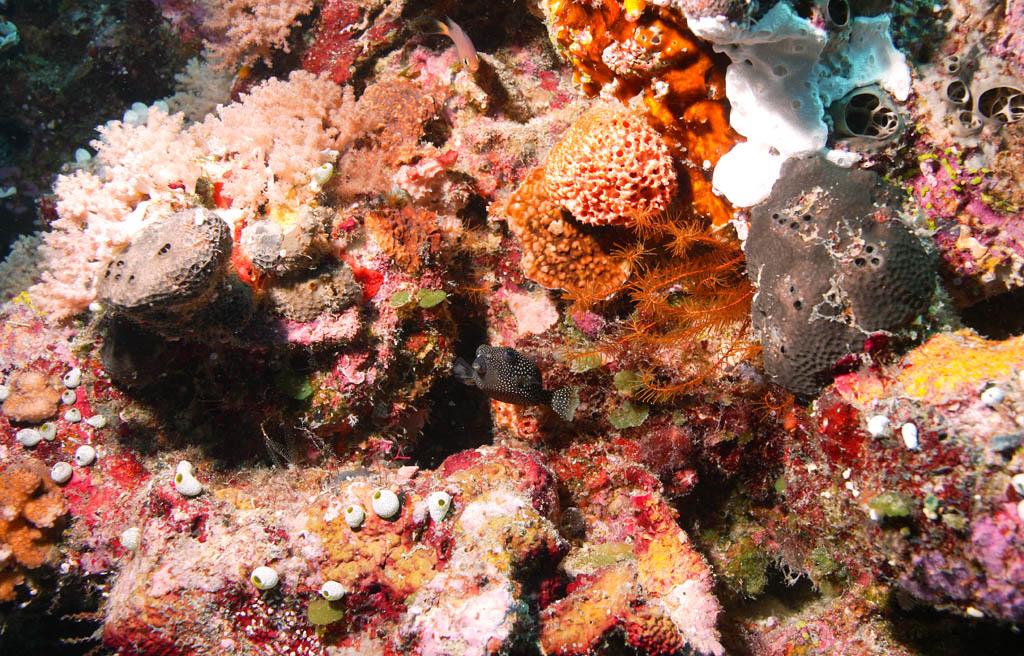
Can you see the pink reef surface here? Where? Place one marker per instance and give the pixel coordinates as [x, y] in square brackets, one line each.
[367, 169]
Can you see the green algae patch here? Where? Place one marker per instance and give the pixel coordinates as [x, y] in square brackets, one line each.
[294, 385]
[585, 363]
[400, 298]
[428, 298]
[594, 557]
[629, 415]
[888, 504]
[626, 382]
[322, 612]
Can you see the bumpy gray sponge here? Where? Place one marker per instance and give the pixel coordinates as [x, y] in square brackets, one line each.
[832, 265]
[170, 269]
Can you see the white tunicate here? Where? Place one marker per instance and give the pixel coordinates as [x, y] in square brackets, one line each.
[4, 392]
[355, 516]
[438, 505]
[95, 306]
[61, 473]
[332, 591]
[130, 538]
[162, 106]
[909, 433]
[1020, 510]
[264, 578]
[385, 503]
[82, 156]
[85, 455]
[73, 378]
[28, 437]
[184, 482]
[1018, 483]
[68, 396]
[992, 396]
[878, 425]
[48, 431]
[73, 416]
[322, 174]
[97, 421]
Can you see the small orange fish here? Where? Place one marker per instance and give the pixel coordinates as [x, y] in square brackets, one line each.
[463, 46]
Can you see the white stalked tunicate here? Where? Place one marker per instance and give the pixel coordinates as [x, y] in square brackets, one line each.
[264, 578]
[909, 433]
[85, 455]
[438, 505]
[68, 396]
[48, 431]
[96, 421]
[332, 591]
[992, 396]
[184, 482]
[878, 425]
[73, 378]
[130, 538]
[73, 416]
[385, 503]
[28, 437]
[355, 516]
[61, 473]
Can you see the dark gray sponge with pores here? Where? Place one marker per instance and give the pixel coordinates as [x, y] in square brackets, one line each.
[832, 265]
[169, 269]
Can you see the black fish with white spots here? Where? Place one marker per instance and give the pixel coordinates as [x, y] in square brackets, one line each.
[507, 375]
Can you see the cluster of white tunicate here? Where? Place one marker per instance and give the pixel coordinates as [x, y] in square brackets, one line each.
[184, 480]
[28, 437]
[61, 473]
[785, 71]
[130, 538]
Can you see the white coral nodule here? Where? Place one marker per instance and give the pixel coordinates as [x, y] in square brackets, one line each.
[438, 505]
[385, 503]
[184, 482]
[264, 578]
[355, 516]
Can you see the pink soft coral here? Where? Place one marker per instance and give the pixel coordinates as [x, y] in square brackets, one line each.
[248, 30]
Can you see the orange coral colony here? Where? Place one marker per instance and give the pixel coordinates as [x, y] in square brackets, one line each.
[559, 253]
[609, 166]
[632, 49]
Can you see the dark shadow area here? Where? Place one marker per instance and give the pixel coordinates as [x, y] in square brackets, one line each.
[62, 618]
[999, 317]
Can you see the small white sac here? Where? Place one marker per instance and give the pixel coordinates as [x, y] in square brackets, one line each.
[1020, 510]
[73, 416]
[878, 425]
[438, 505]
[322, 174]
[68, 397]
[385, 503]
[97, 421]
[28, 437]
[971, 611]
[130, 538]
[355, 516]
[264, 578]
[73, 378]
[992, 396]
[48, 431]
[184, 482]
[332, 591]
[1018, 483]
[82, 156]
[61, 473]
[85, 455]
[95, 306]
[4, 392]
[909, 433]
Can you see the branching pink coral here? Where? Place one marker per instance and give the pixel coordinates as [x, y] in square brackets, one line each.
[248, 30]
